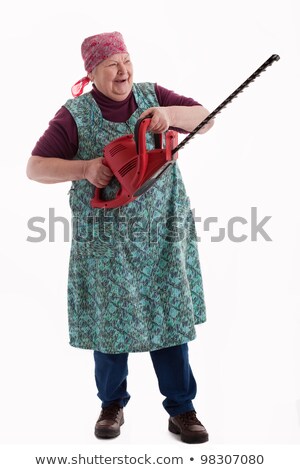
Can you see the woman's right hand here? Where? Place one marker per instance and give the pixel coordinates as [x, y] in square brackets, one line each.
[97, 173]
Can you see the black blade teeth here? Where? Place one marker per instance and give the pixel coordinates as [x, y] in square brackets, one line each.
[223, 105]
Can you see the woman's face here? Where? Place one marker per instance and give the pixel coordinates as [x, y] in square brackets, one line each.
[113, 76]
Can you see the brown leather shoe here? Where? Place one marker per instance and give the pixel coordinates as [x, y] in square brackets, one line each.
[189, 427]
[109, 422]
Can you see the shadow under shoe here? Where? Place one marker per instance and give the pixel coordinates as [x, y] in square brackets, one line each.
[109, 422]
[191, 430]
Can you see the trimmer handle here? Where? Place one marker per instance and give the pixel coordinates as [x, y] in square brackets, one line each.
[140, 131]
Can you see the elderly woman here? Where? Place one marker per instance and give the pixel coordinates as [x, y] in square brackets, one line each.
[127, 292]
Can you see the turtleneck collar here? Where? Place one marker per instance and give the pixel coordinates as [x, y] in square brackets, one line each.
[114, 111]
[103, 99]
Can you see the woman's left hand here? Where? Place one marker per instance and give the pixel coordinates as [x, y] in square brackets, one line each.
[160, 119]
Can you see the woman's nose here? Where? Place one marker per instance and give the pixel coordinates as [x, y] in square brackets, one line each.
[121, 69]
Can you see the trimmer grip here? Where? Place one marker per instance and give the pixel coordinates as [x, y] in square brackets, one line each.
[97, 201]
[140, 130]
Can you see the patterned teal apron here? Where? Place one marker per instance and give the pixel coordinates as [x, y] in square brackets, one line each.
[134, 275]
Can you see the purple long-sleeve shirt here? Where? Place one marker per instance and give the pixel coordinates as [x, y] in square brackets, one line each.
[61, 137]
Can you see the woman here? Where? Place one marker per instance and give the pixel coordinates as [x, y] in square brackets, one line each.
[128, 291]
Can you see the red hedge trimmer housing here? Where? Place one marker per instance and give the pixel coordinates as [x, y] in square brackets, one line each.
[133, 165]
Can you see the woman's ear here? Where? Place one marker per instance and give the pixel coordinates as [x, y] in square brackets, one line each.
[91, 77]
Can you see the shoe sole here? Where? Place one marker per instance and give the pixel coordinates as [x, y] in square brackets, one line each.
[195, 439]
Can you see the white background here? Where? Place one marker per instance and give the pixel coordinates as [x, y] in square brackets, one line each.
[246, 357]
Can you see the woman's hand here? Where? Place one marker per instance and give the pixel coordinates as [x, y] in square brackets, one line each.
[160, 119]
[182, 117]
[97, 173]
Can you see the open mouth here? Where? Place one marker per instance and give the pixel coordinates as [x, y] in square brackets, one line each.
[121, 81]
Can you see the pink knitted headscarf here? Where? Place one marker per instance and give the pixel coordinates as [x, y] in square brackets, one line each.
[94, 50]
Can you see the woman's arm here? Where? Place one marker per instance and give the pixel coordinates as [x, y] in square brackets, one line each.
[58, 170]
[54, 170]
[188, 117]
[184, 117]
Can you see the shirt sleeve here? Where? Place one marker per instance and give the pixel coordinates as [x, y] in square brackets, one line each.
[60, 139]
[167, 97]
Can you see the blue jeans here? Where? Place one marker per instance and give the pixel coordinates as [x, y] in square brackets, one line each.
[175, 378]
